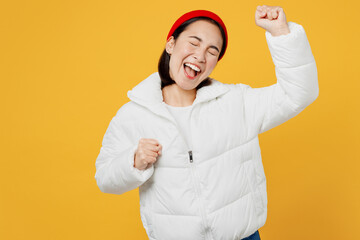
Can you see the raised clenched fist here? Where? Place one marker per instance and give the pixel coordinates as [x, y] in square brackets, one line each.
[272, 19]
[146, 154]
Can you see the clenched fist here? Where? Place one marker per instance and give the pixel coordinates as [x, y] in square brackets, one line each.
[272, 19]
[147, 152]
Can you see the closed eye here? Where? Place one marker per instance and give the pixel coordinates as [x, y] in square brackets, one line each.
[214, 54]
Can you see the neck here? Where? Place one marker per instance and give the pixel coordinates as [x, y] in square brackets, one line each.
[174, 95]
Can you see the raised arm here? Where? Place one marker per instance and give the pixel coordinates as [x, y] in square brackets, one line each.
[296, 72]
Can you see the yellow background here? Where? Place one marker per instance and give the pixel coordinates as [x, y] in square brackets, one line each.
[65, 69]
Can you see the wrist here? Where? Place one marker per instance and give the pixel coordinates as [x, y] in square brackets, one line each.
[281, 31]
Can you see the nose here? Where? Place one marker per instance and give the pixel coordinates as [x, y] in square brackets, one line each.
[200, 55]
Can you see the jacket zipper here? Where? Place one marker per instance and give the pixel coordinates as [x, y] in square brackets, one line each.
[197, 185]
[197, 192]
[190, 156]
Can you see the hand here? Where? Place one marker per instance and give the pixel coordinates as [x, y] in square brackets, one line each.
[272, 19]
[146, 154]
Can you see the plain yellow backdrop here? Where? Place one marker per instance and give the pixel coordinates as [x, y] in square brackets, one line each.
[65, 69]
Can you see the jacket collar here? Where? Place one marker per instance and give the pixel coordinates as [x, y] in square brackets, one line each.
[148, 94]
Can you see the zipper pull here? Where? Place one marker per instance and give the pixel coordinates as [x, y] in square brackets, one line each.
[190, 156]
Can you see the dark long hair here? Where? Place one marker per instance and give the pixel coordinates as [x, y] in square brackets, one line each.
[163, 65]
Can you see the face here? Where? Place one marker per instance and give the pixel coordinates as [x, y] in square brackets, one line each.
[194, 54]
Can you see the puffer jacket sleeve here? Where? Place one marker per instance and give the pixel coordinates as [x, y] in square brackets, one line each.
[115, 171]
[297, 82]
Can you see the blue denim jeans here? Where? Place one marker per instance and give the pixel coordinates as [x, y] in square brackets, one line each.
[255, 236]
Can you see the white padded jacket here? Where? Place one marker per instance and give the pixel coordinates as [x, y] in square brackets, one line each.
[213, 187]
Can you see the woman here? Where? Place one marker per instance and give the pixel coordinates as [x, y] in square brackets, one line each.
[190, 143]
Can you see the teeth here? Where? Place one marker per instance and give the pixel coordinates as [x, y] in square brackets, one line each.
[193, 67]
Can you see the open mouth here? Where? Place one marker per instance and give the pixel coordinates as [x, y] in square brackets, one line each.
[191, 70]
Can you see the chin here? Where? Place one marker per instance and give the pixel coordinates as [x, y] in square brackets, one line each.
[186, 85]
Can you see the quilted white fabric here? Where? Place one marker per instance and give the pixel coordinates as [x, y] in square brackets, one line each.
[221, 193]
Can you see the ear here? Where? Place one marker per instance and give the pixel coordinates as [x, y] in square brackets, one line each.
[170, 43]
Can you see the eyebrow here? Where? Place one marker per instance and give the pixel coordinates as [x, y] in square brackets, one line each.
[200, 40]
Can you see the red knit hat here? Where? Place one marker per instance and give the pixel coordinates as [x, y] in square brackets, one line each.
[200, 13]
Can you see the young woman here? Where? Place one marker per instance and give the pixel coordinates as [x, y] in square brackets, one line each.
[190, 143]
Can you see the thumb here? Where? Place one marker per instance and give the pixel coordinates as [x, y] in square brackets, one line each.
[281, 14]
[160, 149]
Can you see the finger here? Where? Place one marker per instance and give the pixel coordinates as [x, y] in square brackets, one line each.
[152, 148]
[160, 150]
[271, 12]
[148, 140]
[260, 8]
[274, 13]
[151, 160]
[153, 141]
[261, 13]
[150, 153]
[280, 12]
[268, 15]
